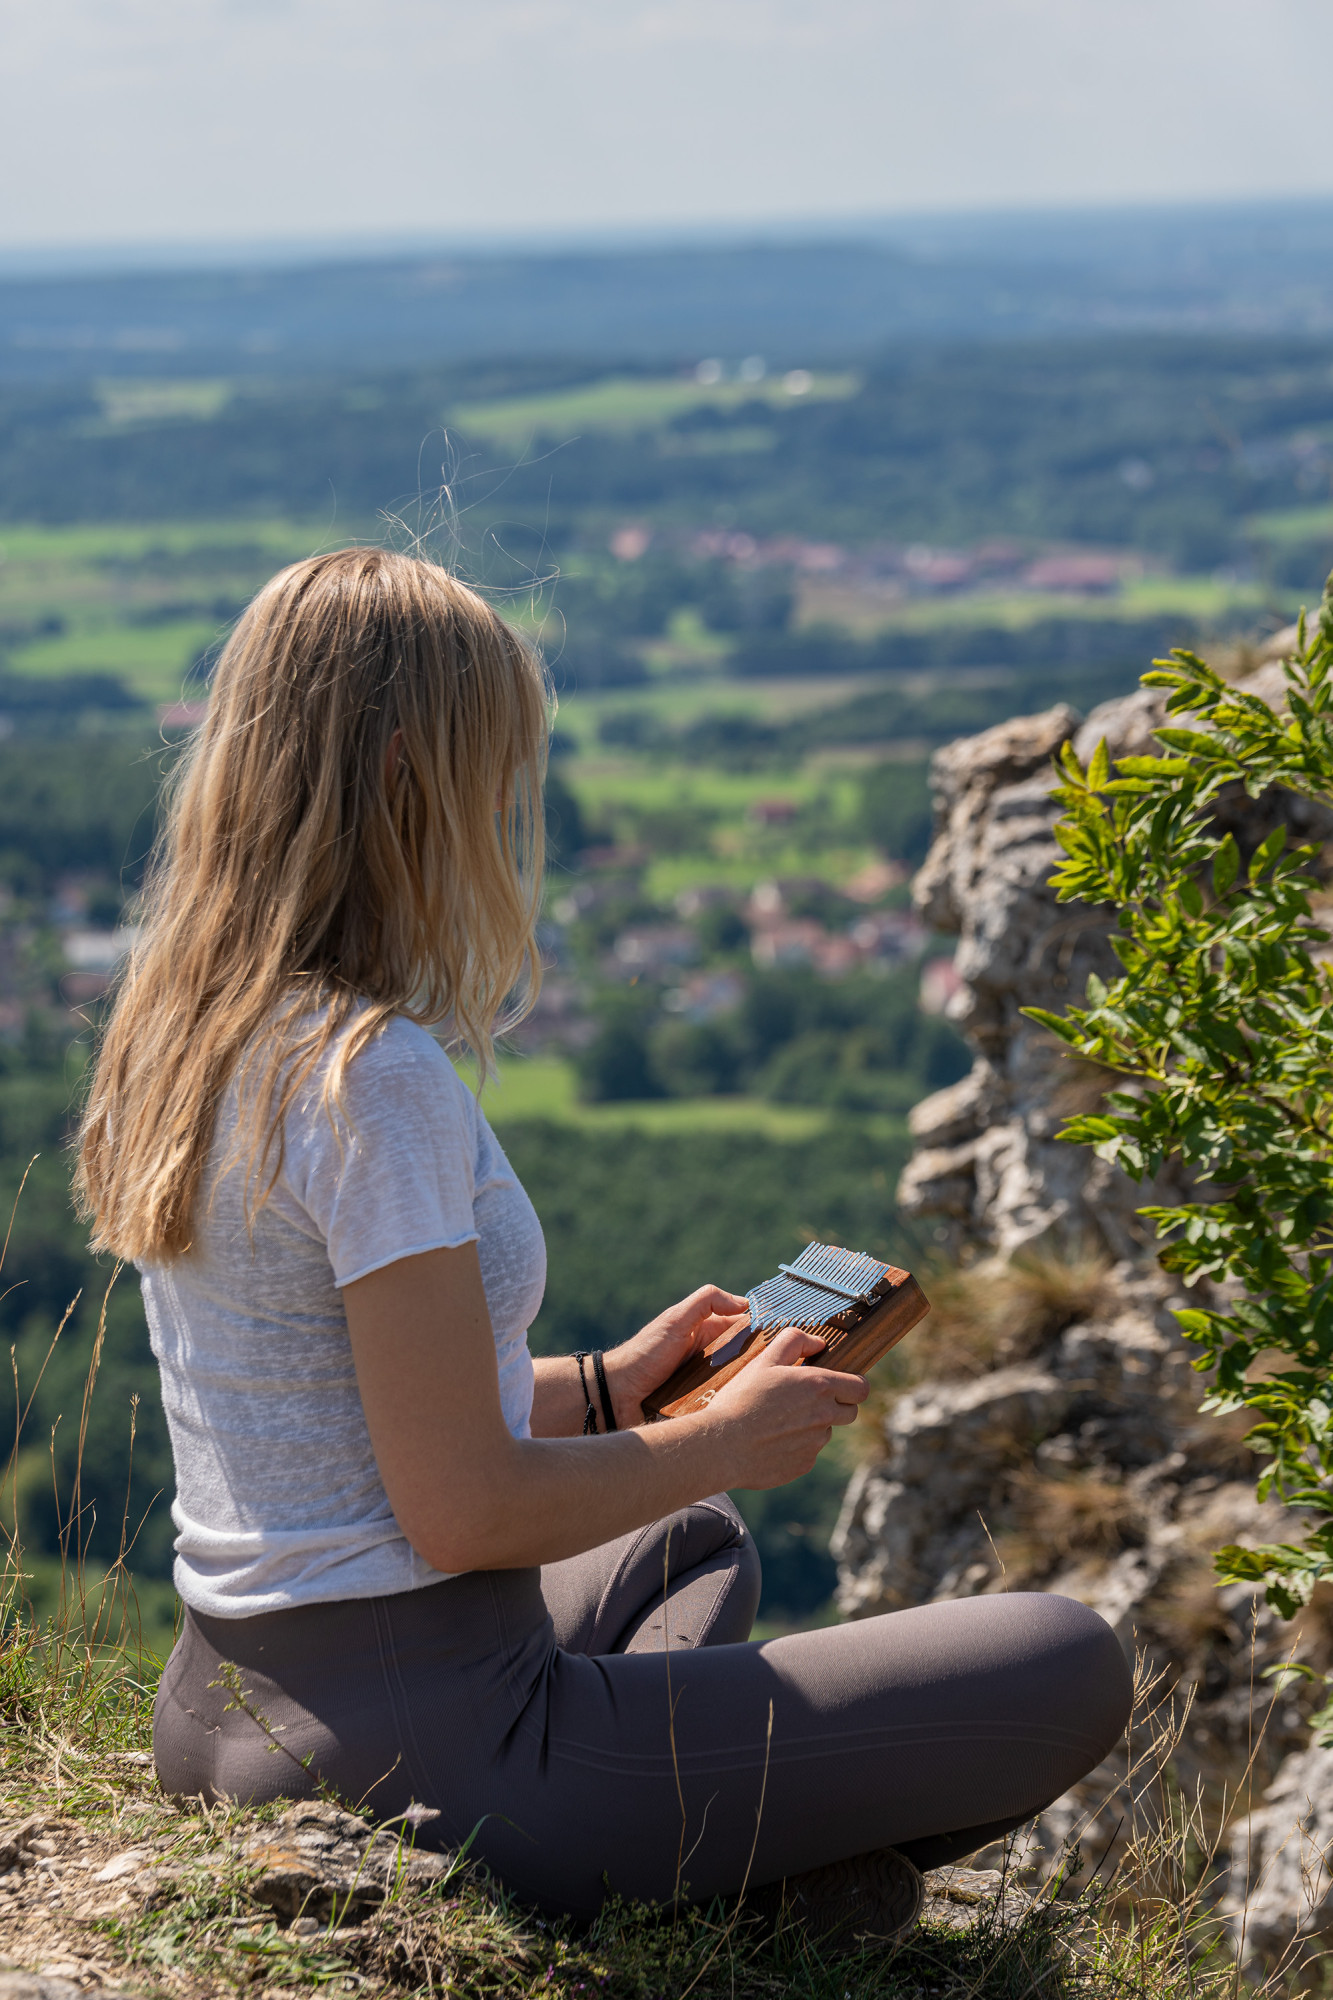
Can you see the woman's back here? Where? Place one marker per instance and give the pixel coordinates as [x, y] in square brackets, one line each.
[279, 1499]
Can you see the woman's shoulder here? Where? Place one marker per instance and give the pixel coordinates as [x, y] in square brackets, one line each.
[380, 1148]
[399, 1043]
[404, 1062]
[396, 1095]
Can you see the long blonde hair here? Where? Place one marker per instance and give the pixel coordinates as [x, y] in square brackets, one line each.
[357, 825]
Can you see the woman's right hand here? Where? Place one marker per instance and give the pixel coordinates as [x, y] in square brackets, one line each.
[776, 1417]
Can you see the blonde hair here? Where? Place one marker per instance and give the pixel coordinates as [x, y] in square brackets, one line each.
[357, 825]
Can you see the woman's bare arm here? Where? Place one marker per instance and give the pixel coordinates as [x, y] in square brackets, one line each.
[469, 1496]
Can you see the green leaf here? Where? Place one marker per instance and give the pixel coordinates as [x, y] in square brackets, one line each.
[1288, 1672]
[1191, 897]
[1226, 866]
[1265, 855]
[1152, 767]
[1090, 1127]
[1099, 770]
[1057, 1023]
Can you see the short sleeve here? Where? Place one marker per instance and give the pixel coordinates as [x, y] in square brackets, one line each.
[393, 1172]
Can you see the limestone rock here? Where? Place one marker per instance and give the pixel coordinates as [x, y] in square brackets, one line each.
[1073, 1457]
[990, 1171]
[909, 1526]
[1280, 1892]
[318, 1861]
[131, 1862]
[959, 1899]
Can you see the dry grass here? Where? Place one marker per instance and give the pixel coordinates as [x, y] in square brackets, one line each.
[1235, 658]
[1056, 1516]
[1172, 1872]
[987, 1315]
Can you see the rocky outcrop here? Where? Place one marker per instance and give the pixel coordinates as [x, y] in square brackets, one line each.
[1280, 1892]
[1057, 1443]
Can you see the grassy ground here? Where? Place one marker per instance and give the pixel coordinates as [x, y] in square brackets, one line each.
[109, 1883]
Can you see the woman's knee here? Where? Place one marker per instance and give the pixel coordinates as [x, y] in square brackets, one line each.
[717, 1519]
[1080, 1670]
[724, 1530]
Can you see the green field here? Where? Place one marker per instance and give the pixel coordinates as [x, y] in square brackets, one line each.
[153, 664]
[126, 402]
[625, 404]
[677, 699]
[1292, 525]
[544, 1087]
[696, 820]
[607, 780]
[142, 600]
[1208, 599]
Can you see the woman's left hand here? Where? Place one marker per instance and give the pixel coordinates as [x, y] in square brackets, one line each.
[638, 1366]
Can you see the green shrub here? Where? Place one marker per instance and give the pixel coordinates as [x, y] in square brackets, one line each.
[1222, 1022]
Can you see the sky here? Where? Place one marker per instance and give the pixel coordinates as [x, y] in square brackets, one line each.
[157, 122]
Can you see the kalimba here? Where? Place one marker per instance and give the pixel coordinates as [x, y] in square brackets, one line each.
[860, 1306]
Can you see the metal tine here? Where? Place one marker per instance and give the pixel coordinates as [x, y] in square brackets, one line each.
[851, 1268]
[785, 1301]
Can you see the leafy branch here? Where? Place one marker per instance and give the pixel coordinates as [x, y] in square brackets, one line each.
[1221, 1026]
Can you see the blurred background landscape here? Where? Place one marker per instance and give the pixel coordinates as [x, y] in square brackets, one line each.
[786, 516]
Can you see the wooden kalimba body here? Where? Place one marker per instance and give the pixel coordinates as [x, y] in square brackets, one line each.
[860, 1306]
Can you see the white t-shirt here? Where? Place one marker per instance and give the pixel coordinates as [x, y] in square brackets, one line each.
[278, 1497]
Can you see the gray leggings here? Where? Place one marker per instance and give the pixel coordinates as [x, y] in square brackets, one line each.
[604, 1726]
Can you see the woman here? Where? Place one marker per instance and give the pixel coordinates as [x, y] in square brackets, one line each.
[408, 1569]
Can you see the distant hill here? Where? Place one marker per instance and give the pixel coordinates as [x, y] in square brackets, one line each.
[1254, 269]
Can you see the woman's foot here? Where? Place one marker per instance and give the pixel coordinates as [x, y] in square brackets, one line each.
[871, 1898]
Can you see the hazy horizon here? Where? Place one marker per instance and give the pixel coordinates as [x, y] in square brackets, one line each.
[136, 123]
[881, 226]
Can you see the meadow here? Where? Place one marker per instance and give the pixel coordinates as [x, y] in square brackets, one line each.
[547, 1088]
[1216, 600]
[142, 602]
[629, 404]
